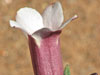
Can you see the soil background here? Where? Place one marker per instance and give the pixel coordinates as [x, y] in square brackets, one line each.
[80, 39]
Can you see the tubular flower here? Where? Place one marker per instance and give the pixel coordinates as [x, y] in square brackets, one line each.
[43, 35]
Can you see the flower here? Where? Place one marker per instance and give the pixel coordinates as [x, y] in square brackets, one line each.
[43, 35]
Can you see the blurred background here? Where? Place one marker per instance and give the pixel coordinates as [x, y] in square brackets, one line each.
[80, 39]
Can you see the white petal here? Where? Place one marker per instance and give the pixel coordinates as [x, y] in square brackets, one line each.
[29, 19]
[68, 21]
[14, 24]
[53, 16]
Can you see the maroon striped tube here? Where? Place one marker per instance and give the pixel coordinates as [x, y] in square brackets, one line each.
[46, 58]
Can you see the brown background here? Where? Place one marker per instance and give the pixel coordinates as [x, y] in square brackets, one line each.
[80, 40]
